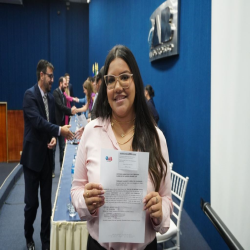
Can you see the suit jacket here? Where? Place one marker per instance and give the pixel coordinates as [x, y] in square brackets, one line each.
[37, 130]
[61, 108]
[71, 92]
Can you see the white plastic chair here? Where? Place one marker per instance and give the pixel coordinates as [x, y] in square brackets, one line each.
[178, 190]
[171, 165]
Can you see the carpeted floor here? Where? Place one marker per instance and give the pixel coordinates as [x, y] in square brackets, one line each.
[5, 170]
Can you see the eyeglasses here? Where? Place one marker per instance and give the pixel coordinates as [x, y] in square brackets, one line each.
[51, 76]
[124, 80]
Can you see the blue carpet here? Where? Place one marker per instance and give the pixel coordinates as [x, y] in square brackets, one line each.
[5, 169]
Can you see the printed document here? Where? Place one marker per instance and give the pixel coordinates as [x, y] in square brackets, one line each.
[124, 176]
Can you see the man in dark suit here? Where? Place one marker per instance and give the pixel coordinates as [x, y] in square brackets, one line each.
[40, 134]
[61, 110]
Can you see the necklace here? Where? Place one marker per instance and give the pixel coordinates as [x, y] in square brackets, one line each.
[122, 143]
[122, 122]
[122, 134]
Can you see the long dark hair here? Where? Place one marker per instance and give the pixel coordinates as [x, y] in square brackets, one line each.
[146, 137]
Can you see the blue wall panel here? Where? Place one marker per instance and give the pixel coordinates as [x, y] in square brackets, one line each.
[78, 46]
[24, 40]
[35, 31]
[58, 40]
[181, 84]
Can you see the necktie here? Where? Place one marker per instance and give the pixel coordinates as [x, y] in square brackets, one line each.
[45, 100]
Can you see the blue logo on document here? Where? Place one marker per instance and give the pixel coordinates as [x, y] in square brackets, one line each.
[108, 158]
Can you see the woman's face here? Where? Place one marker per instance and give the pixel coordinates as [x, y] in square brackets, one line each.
[121, 100]
[146, 94]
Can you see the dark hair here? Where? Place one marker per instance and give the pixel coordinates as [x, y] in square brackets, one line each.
[91, 78]
[150, 90]
[60, 79]
[146, 137]
[66, 74]
[42, 67]
[100, 74]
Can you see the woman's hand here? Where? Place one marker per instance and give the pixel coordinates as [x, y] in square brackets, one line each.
[75, 99]
[153, 202]
[93, 195]
[79, 133]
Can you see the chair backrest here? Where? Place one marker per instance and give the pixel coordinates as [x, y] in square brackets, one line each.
[171, 165]
[178, 190]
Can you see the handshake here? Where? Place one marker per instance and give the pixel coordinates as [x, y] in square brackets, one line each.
[74, 110]
[75, 99]
[69, 135]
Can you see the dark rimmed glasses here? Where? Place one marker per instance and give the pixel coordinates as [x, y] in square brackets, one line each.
[51, 76]
[124, 80]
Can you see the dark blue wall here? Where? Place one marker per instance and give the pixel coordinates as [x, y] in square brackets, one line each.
[35, 31]
[181, 84]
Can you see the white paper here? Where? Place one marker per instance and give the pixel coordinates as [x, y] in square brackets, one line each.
[124, 177]
[128, 160]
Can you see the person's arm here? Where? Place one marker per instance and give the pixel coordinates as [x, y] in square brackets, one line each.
[68, 98]
[71, 99]
[82, 100]
[62, 107]
[82, 191]
[32, 112]
[83, 108]
[164, 192]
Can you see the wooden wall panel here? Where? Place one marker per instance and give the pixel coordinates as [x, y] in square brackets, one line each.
[3, 132]
[15, 134]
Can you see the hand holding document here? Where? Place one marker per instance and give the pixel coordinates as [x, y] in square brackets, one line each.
[153, 202]
[93, 195]
[124, 178]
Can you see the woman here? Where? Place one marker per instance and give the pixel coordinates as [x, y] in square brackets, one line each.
[69, 99]
[149, 94]
[123, 123]
[89, 98]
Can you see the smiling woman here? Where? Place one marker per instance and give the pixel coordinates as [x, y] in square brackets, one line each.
[121, 98]
[123, 123]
